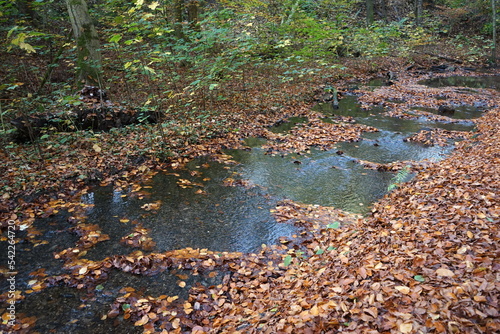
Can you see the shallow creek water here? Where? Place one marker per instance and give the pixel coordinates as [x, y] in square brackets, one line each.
[225, 218]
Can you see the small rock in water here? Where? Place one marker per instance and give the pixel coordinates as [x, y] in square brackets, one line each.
[446, 110]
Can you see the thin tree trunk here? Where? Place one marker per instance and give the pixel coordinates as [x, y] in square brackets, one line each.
[369, 12]
[193, 7]
[88, 47]
[383, 6]
[418, 12]
[25, 8]
[179, 8]
[494, 37]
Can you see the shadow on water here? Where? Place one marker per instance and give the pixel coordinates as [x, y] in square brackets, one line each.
[223, 218]
[68, 310]
[288, 124]
[463, 112]
[491, 82]
[318, 177]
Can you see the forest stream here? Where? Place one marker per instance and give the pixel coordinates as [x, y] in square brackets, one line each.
[227, 207]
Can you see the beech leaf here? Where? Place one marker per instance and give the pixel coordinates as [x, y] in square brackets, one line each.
[142, 321]
[445, 272]
[405, 328]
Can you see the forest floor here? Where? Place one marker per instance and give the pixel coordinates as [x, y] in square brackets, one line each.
[426, 259]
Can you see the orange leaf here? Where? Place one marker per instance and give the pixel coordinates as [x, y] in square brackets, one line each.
[142, 321]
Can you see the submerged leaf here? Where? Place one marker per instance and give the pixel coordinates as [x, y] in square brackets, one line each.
[333, 225]
[287, 260]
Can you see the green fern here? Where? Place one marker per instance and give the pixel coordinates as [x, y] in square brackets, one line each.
[399, 178]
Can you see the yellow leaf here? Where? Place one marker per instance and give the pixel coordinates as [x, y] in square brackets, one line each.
[470, 234]
[314, 311]
[405, 328]
[142, 321]
[182, 284]
[154, 5]
[83, 270]
[445, 272]
[97, 148]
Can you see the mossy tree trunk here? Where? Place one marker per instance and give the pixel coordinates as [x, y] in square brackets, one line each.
[88, 64]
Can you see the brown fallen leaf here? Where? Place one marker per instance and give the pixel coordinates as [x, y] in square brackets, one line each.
[445, 272]
[142, 321]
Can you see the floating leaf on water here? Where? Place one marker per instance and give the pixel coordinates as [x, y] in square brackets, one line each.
[333, 225]
[287, 260]
[419, 278]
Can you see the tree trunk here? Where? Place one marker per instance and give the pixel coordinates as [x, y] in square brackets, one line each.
[418, 12]
[494, 37]
[179, 9]
[193, 8]
[88, 64]
[25, 7]
[383, 9]
[369, 12]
